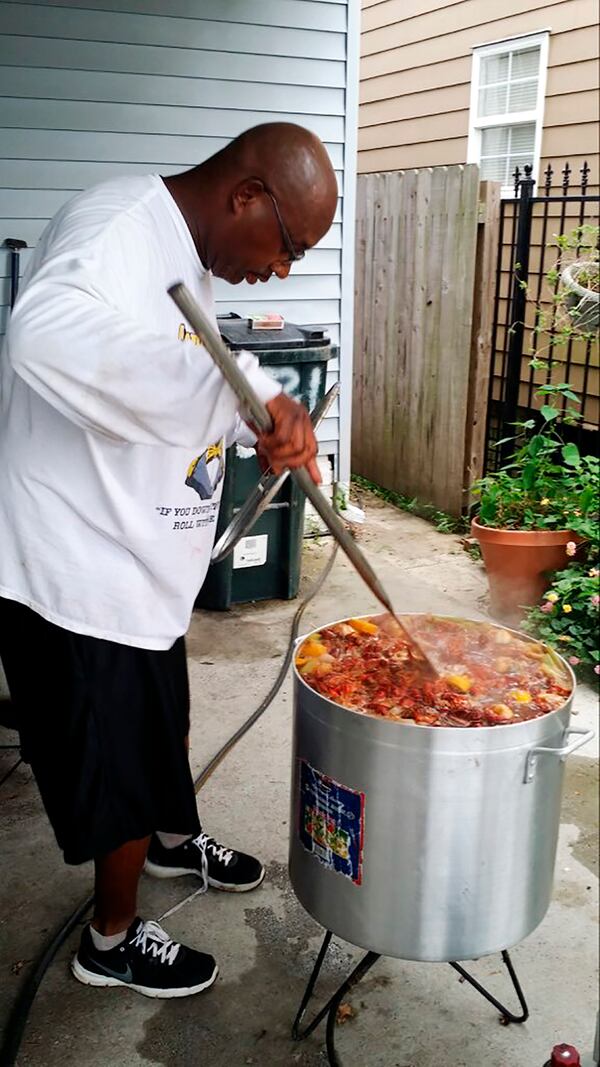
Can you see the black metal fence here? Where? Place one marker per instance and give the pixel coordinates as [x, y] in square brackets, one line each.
[538, 234]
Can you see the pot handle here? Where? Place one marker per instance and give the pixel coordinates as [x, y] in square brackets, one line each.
[582, 737]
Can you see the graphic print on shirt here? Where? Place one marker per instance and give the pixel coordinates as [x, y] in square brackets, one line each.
[184, 334]
[206, 471]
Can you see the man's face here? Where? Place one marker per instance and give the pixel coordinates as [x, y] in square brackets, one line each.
[254, 240]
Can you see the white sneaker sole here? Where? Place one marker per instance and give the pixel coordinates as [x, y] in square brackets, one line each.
[91, 978]
[178, 872]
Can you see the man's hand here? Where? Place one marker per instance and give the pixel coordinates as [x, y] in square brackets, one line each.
[292, 442]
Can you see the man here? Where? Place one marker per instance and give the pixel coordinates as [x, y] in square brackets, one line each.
[114, 425]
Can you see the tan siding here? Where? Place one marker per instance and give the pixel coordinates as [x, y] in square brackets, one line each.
[416, 73]
[570, 108]
[563, 75]
[582, 75]
[562, 142]
[416, 80]
[391, 121]
[464, 20]
[383, 12]
[574, 44]
[415, 131]
[436, 154]
[414, 105]
[439, 48]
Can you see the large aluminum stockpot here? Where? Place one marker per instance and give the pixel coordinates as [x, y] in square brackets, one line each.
[425, 842]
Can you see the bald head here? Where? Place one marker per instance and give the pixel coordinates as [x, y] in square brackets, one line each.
[293, 162]
[260, 202]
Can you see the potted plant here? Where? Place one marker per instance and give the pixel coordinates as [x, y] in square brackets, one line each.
[538, 511]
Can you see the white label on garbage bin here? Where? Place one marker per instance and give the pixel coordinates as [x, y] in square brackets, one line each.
[250, 551]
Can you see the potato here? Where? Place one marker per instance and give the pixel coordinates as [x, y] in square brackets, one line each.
[363, 626]
[312, 649]
[503, 664]
[520, 695]
[462, 682]
[315, 666]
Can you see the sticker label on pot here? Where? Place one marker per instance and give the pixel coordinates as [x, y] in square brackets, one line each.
[331, 822]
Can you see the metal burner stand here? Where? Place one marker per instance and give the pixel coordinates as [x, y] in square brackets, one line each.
[332, 1005]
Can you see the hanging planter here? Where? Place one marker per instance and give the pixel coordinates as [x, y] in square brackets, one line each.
[581, 294]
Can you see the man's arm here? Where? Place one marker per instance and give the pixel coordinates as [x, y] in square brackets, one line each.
[292, 442]
[110, 375]
[278, 450]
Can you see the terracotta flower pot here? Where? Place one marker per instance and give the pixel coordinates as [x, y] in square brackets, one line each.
[519, 564]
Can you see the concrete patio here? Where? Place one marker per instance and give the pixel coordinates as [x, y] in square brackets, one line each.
[405, 1014]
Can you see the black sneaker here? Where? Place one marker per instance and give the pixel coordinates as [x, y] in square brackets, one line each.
[221, 867]
[147, 961]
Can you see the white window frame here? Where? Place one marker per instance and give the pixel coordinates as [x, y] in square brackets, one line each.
[515, 118]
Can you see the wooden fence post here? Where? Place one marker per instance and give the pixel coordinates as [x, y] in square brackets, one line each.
[481, 336]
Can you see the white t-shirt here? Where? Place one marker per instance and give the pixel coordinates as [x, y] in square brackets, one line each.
[113, 422]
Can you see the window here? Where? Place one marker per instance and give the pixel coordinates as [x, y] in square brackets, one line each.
[507, 107]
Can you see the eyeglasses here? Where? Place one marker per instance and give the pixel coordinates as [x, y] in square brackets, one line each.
[292, 251]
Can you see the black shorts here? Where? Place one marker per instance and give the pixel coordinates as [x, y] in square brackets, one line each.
[104, 728]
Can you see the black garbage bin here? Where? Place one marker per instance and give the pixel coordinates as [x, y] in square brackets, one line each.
[266, 564]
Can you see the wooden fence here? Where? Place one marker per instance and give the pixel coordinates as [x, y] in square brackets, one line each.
[426, 245]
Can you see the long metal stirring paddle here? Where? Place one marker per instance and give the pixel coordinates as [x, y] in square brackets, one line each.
[261, 418]
[264, 492]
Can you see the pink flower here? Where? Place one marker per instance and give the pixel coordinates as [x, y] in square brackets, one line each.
[595, 600]
[547, 607]
[574, 660]
[597, 668]
[571, 548]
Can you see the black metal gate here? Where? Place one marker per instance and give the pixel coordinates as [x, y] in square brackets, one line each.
[526, 312]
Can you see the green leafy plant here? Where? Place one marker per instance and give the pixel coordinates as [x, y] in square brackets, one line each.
[546, 483]
[581, 242]
[568, 618]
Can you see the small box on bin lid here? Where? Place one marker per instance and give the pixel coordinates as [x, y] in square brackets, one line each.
[270, 320]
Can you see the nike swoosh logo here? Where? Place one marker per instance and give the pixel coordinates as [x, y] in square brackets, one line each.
[123, 976]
